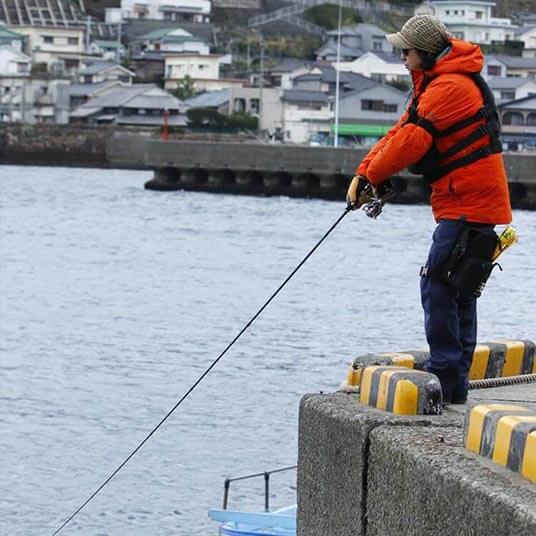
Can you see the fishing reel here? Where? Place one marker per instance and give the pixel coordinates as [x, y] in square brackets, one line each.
[378, 197]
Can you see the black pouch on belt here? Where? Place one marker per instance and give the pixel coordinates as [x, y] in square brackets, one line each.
[469, 265]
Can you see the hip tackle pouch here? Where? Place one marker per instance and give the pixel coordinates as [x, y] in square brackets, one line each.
[470, 263]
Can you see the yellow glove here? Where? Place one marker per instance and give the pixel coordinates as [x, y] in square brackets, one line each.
[359, 192]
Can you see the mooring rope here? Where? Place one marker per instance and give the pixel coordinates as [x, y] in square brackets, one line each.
[200, 379]
[499, 382]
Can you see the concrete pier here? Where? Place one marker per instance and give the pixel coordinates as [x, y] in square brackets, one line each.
[292, 170]
[366, 472]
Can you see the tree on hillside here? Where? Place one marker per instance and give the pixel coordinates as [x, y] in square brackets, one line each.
[327, 16]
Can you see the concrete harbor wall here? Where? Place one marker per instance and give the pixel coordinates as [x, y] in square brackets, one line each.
[205, 162]
[293, 170]
[366, 472]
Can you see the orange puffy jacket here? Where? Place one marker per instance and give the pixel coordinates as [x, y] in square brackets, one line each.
[478, 191]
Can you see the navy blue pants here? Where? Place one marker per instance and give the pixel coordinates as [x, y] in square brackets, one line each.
[449, 320]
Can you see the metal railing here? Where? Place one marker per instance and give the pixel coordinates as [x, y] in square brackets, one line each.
[265, 474]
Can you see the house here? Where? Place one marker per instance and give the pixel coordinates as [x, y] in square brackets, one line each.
[508, 66]
[470, 20]
[329, 51]
[518, 123]
[136, 105]
[283, 74]
[378, 66]
[264, 102]
[107, 50]
[149, 66]
[362, 37]
[526, 34]
[81, 93]
[13, 62]
[215, 100]
[167, 10]
[34, 99]
[60, 48]
[100, 71]
[11, 39]
[172, 40]
[367, 114]
[508, 89]
[324, 78]
[305, 115]
[203, 70]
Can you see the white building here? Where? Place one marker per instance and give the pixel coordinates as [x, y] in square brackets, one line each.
[172, 40]
[305, 115]
[282, 75]
[34, 100]
[380, 67]
[507, 89]
[13, 62]
[268, 110]
[169, 10]
[13, 39]
[103, 71]
[106, 49]
[203, 70]
[500, 65]
[60, 48]
[470, 20]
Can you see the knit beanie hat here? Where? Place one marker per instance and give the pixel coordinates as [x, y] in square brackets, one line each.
[424, 32]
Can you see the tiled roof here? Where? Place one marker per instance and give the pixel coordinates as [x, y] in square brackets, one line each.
[209, 99]
[501, 82]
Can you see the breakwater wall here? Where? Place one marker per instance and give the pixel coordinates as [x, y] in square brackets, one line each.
[205, 162]
[292, 170]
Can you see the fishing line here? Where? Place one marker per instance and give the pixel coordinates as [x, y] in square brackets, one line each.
[200, 379]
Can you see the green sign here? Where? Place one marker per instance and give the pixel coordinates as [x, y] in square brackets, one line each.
[349, 129]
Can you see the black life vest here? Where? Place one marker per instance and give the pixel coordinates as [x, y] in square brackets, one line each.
[430, 164]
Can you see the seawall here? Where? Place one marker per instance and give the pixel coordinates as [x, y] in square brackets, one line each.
[208, 163]
[366, 472]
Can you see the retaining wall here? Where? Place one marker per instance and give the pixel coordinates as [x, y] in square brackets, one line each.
[365, 472]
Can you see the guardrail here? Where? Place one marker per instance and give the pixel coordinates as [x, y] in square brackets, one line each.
[265, 474]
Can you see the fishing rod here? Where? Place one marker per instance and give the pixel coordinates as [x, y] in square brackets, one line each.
[200, 379]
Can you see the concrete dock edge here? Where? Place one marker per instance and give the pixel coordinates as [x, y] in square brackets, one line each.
[367, 472]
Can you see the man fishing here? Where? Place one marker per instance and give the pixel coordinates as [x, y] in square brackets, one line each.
[450, 135]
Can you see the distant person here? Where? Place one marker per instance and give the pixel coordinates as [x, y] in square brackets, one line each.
[450, 135]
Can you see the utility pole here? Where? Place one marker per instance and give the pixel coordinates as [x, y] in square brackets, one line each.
[337, 80]
[261, 81]
[88, 30]
[118, 51]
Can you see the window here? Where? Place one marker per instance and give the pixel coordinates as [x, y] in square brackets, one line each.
[508, 95]
[240, 105]
[458, 35]
[254, 106]
[378, 106]
[72, 40]
[494, 70]
[531, 120]
[48, 39]
[22, 67]
[377, 45]
[513, 118]
[479, 14]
